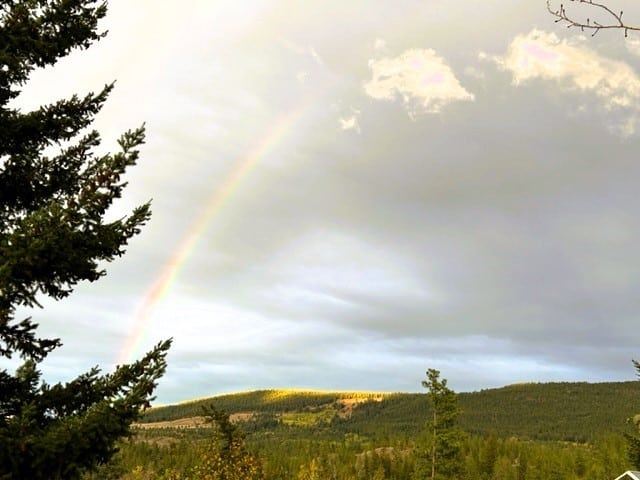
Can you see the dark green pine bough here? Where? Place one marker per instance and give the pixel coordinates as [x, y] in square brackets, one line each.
[53, 234]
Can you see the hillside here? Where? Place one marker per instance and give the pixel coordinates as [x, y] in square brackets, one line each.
[555, 411]
[577, 412]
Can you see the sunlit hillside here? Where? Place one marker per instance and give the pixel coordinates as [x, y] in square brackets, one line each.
[543, 411]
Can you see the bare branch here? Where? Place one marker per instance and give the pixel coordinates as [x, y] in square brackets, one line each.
[593, 26]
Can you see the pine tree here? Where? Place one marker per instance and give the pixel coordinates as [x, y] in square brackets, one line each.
[54, 194]
[489, 455]
[440, 457]
[633, 441]
[226, 457]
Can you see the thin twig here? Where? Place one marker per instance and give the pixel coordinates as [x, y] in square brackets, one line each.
[616, 22]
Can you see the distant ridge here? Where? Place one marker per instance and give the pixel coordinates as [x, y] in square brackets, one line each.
[569, 411]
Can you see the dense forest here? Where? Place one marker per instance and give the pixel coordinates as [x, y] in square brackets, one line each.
[574, 412]
[519, 432]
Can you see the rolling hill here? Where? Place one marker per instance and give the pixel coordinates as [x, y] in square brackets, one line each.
[575, 412]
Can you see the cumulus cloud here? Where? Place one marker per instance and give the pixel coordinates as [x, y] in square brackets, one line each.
[542, 55]
[420, 77]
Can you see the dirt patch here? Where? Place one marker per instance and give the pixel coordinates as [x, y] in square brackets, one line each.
[241, 416]
[193, 422]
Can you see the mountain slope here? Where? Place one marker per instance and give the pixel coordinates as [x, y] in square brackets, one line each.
[544, 411]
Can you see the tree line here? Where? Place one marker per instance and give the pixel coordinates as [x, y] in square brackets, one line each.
[440, 451]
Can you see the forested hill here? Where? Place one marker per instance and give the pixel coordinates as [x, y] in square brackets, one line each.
[543, 411]
[557, 411]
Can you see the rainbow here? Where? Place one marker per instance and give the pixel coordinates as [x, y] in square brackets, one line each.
[159, 289]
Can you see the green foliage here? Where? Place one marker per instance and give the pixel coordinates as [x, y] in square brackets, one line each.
[381, 437]
[226, 458]
[311, 417]
[633, 441]
[439, 453]
[310, 471]
[54, 194]
[58, 431]
[573, 412]
[173, 454]
[263, 401]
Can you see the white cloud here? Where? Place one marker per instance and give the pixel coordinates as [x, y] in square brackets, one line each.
[380, 44]
[420, 77]
[350, 122]
[542, 55]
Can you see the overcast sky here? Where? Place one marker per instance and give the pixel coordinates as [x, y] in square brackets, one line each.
[348, 193]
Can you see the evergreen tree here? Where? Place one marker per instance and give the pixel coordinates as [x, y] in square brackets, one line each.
[444, 439]
[226, 458]
[54, 194]
[633, 441]
[489, 456]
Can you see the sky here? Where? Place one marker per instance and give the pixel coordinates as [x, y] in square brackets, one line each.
[346, 194]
